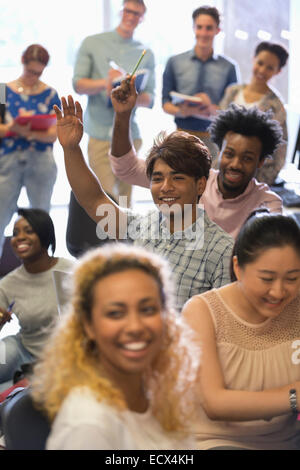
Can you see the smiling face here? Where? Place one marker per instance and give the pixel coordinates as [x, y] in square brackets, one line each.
[126, 322]
[238, 162]
[265, 66]
[205, 29]
[269, 283]
[132, 15]
[171, 189]
[25, 242]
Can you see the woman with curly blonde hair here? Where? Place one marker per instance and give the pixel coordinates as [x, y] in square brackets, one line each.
[118, 372]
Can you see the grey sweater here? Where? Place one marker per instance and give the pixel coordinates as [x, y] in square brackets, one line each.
[35, 302]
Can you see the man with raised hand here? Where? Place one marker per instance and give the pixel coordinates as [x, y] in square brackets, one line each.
[197, 250]
[245, 137]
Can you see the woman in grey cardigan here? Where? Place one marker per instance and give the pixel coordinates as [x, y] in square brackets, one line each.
[269, 58]
[29, 292]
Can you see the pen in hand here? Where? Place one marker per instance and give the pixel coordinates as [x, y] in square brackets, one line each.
[6, 316]
[10, 307]
[137, 65]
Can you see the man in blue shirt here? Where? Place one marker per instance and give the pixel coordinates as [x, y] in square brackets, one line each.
[198, 72]
[101, 59]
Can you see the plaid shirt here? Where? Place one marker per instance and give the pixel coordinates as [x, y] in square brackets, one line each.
[198, 264]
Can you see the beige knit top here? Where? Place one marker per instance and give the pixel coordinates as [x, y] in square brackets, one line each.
[253, 357]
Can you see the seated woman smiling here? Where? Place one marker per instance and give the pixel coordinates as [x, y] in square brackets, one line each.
[29, 291]
[118, 372]
[250, 376]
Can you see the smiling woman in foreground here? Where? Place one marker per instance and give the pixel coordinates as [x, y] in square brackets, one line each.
[250, 375]
[118, 372]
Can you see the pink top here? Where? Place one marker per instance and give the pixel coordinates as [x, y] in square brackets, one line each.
[229, 214]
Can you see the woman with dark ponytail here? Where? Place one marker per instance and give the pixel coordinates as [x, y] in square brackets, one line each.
[250, 330]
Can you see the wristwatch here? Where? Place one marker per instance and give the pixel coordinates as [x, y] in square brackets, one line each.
[293, 400]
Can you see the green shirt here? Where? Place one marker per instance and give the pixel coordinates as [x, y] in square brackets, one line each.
[92, 61]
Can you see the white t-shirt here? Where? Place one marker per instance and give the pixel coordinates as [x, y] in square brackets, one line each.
[84, 423]
[240, 99]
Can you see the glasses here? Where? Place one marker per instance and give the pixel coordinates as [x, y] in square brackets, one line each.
[33, 72]
[136, 14]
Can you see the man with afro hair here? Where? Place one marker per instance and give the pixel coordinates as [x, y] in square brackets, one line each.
[246, 138]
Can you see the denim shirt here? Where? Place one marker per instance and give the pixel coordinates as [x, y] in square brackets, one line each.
[187, 74]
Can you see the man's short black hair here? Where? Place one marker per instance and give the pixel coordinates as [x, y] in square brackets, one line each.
[250, 122]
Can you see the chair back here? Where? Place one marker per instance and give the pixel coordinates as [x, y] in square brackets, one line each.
[24, 427]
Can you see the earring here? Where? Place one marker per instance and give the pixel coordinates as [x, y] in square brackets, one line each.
[89, 346]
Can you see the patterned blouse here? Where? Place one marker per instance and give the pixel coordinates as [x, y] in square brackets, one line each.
[41, 103]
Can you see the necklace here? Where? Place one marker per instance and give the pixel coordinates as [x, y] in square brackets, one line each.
[23, 90]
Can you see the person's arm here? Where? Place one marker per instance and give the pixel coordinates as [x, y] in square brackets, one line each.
[181, 110]
[221, 272]
[86, 187]
[123, 159]
[169, 84]
[123, 99]
[5, 317]
[144, 100]
[47, 136]
[83, 84]
[5, 128]
[5, 311]
[130, 168]
[220, 403]
[90, 86]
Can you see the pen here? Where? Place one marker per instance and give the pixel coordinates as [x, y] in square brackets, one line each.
[138, 63]
[10, 307]
[9, 310]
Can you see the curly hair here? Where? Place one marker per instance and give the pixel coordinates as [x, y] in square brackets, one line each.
[248, 122]
[183, 152]
[68, 360]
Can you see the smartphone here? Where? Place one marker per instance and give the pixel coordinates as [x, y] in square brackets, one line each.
[2, 93]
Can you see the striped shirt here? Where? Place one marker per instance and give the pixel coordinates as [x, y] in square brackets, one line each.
[199, 257]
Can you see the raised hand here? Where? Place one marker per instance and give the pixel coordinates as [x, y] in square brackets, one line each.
[124, 96]
[69, 122]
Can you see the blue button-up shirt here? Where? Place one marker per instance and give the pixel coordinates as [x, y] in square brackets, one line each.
[187, 74]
